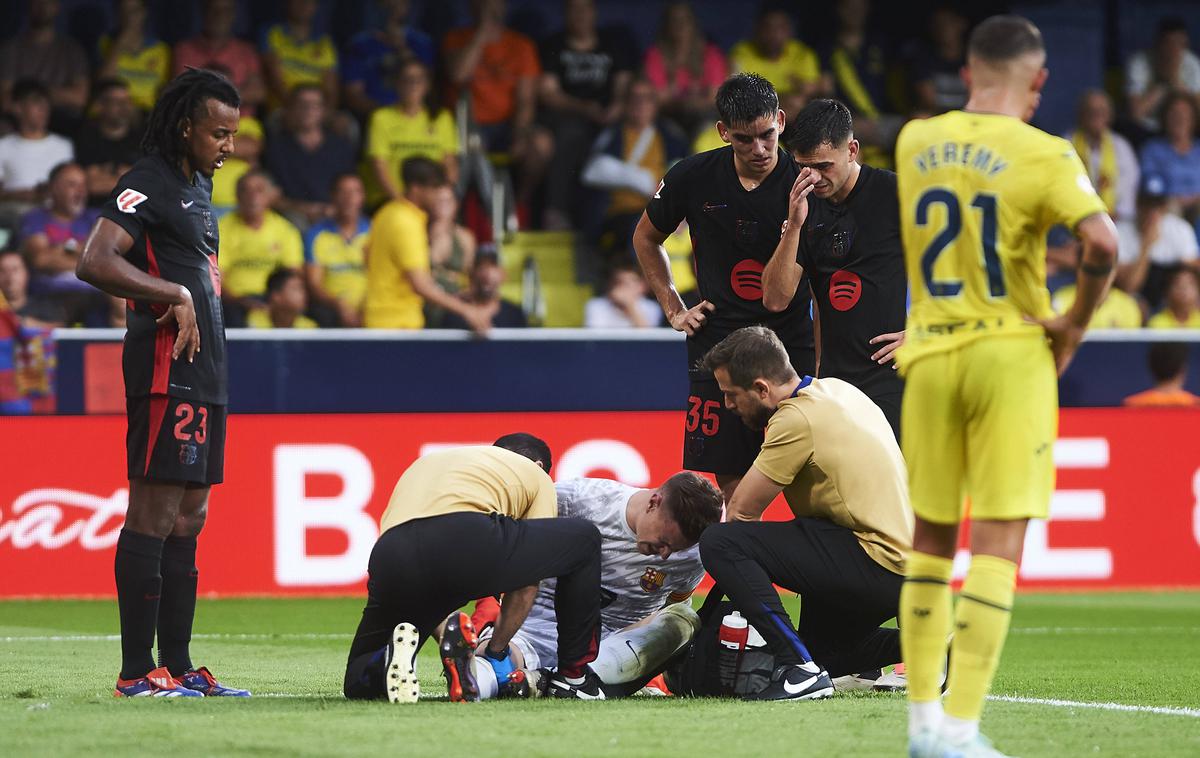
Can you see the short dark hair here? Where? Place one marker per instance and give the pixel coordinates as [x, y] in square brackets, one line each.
[252, 173]
[103, 86]
[745, 98]
[1167, 360]
[185, 97]
[1000, 39]
[1178, 96]
[822, 121]
[303, 87]
[279, 278]
[1170, 25]
[341, 176]
[533, 448]
[59, 168]
[24, 89]
[420, 171]
[752, 352]
[693, 502]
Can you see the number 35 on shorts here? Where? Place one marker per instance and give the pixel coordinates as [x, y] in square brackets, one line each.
[704, 415]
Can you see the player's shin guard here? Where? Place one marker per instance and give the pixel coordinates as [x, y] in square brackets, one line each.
[177, 608]
[638, 653]
[139, 584]
[924, 620]
[980, 626]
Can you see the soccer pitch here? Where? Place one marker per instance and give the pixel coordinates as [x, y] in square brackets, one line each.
[1095, 674]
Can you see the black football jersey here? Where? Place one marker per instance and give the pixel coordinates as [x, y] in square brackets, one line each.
[174, 235]
[852, 254]
[734, 233]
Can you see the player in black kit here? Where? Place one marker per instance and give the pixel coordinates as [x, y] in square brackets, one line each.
[155, 244]
[843, 232]
[735, 200]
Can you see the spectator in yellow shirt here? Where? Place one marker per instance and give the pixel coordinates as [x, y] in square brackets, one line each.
[1118, 309]
[135, 57]
[1183, 302]
[416, 125]
[774, 53]
[254, 241]
[296, 52]
[286, 303]
[399, 282]
[335, 259]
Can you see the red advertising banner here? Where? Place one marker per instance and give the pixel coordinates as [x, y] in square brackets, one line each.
[298, 512]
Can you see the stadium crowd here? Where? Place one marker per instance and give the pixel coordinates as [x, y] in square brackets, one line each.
[425, 152]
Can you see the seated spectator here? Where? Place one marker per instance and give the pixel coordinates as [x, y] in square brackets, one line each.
[296, 52]
[416, 125]
[255, 241]
[28, 155]
[1182, 309]
[33, 310]
[286, 303]
[216, 48]
[247, 149]
[1171, 163]
[1153, 247]
[625, 305]
[1110, 161]
[859, 64]
[1168, 365]
[1118, 309]
[335, 264]
[304, 157]
[937, 65]
[134, 56]
[487, 276]
[451, 250]
[684, 67]
[398, 280]
[108, 145]
[1152, 75]
[775, 53]
[584, 75]
[374, 57]
[629, 159]
[498, 68]
[53, 60]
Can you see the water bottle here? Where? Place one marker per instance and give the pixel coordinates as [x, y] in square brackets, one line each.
[731, 643]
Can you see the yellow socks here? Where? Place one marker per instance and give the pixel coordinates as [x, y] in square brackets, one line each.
[924, 621]
[980, 626]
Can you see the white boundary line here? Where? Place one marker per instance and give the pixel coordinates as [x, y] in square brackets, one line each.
[117, 637]
[1161, 710]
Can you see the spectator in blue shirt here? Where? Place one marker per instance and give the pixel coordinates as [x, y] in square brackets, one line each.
[374, 56]
[1171, 163]
[305, 157]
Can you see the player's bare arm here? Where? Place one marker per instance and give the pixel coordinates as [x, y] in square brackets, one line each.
[782, 274]
[513, 613]
[753, 494]
[1099, 238]
[427, 287]
[648, 244]
[103, 265]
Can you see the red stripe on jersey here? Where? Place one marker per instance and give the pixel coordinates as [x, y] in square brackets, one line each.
[164, 338]
[158, 411]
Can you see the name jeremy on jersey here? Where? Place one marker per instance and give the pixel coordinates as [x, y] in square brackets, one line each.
[977, 157]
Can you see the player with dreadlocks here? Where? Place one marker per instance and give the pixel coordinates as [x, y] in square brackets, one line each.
[155, 244]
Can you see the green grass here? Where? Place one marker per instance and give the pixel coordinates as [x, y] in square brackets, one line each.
[56, 698]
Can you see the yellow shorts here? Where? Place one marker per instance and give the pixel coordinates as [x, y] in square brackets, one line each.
[980, 421]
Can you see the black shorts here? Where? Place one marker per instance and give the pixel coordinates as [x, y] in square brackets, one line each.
[716, 440]
[175, 440]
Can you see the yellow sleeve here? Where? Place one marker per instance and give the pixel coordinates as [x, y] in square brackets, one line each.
[377, 134]
[410, 245]
[1068, 192]
[738, 57]
[788, 446]
[808, 69]
[329, 56]
[447, 134]
[545, 502]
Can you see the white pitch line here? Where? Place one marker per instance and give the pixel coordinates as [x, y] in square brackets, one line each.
[117, 637]
[1158, 709]
[1101, 629]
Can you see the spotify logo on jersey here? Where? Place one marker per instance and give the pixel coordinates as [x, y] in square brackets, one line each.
[746, 279]
[845, 289]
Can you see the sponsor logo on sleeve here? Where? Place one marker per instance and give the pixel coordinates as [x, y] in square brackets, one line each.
[129, 200]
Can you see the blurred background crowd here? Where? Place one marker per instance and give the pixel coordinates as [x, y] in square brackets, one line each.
[481, 164]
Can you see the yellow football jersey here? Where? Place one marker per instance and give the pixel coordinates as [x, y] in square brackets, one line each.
[978, 193]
